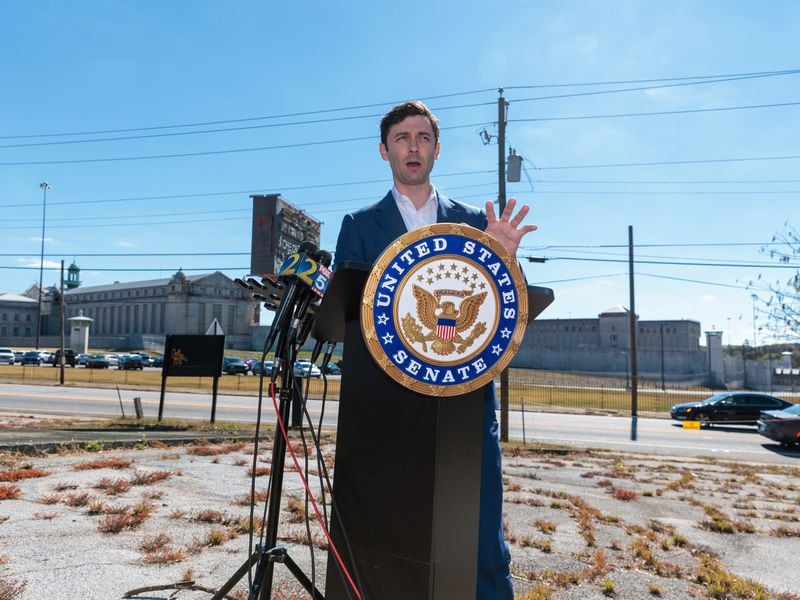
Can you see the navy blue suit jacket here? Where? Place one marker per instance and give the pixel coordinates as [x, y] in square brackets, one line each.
[366, 233]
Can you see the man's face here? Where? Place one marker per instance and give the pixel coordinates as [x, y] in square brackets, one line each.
[411, 149]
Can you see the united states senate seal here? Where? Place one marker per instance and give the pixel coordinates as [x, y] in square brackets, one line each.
[444, 309]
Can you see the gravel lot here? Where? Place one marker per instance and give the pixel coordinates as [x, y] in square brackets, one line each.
[581, 524]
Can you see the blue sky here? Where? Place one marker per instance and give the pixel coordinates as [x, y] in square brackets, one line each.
[96, 68]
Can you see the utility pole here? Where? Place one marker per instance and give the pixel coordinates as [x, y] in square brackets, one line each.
[502, 107]
[632, 328]
[62, 357]
[44, 186]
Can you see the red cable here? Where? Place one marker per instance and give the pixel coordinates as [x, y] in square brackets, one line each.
[308, 491]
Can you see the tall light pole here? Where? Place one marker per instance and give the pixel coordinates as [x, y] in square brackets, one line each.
[754, 297]
[45, 186]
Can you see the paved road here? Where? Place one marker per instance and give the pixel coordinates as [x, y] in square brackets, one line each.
[654, 436]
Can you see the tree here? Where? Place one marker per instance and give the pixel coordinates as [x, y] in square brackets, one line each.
[779, 301]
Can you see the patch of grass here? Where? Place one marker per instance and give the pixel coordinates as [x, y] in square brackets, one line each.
[259, 472]
[63, 486]
[149, 478]
[209, 515]
[608, 587]
[624, 494]
[109, 463]
[93, 446]
[545, 526]
[50, 499]
[538, 592]
[112, 487]
[722, 585]
[20, 474]
[154, 543]
[11, 588]
[245, 500]
[46, 516]
[77, 500]
[785, 531]
[296, 509]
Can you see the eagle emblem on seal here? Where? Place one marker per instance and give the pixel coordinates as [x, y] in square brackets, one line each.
[446, 324]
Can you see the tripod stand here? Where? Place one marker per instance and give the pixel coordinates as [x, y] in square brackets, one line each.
[267, 553]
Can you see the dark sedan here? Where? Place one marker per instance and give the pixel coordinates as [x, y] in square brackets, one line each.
[732, 408]
[97, 361]
[234, 366]
[783, 426]
[32, 357]
[130, 362]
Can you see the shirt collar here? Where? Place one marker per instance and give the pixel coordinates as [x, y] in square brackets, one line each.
[402, 199]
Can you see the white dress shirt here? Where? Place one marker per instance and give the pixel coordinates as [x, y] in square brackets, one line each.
[412, 217]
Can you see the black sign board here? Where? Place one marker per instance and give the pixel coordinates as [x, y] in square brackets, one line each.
[193, 355]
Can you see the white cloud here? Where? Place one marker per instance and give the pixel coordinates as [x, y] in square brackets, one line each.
[39, 239]
[127, 244]
[34, 262]
[709, 298]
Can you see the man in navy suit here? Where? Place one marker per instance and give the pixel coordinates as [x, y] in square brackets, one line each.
[410, 143]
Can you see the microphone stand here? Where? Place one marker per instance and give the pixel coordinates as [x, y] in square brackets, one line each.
[268, 553]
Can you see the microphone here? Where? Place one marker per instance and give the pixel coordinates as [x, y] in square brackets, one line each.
[295, 271]
[306, 311]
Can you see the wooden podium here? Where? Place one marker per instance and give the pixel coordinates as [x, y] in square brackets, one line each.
[407, 474]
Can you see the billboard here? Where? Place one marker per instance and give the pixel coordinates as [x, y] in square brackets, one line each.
[278, 230]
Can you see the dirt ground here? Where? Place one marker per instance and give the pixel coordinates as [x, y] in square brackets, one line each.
[98, 523]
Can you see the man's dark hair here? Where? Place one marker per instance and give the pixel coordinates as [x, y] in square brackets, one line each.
[408, 109]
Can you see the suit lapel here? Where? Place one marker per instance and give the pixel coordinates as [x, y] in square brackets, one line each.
[389, 220]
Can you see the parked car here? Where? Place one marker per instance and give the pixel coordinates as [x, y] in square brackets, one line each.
[783, 426]
[733, 408]
[112, 359]
[332, 369]
[32, 357]
[250, 362]
[147, 360]
[304, 368]
[18, 354]
[130, 362]
[233, 365]
[47, 356]
[7, 356]
[69, 358]
[262, 368]
[158, 361]
[97, 361]
[81, 359]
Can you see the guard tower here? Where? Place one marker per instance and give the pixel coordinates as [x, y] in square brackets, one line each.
[73, 276]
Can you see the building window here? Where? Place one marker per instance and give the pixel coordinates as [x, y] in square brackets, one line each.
[231, 318]
[27, 318]
[3, 331]
[28, 332]
[216, 312]
[127, 318]
[162, 318]
[153, 318]
[135, 318]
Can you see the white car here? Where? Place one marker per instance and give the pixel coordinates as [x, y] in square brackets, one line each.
[113, 360]
[7, 356]
[304, 368]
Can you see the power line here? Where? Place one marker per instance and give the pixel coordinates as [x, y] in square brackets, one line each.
[670, 162]
[656, 87]
[648, 114]
[676, 263]
[663, 79]
[254, 191]
[712, 283]
[689, 79]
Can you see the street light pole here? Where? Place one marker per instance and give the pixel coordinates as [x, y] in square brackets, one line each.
[45, 186]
